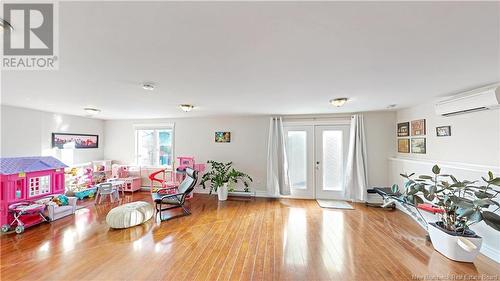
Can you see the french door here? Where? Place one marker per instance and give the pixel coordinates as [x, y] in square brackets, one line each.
[300, 154]
[316, 160]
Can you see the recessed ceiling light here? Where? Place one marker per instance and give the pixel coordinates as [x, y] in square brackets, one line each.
[148, 86]
[338, 102]
[92, 111]
[186, 107]
[5, 25]
[392, 105]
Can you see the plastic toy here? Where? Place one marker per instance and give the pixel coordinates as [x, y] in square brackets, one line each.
[24, 215]
[28, 179]
[127, 174]
[88, 192]
[176, 176]
[430, 208]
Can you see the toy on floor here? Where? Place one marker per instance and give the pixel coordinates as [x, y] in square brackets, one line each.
[176, 176]
[126, 173]
[24, 215]
[28, 179]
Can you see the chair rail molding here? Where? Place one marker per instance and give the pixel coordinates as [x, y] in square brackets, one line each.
[446, 164]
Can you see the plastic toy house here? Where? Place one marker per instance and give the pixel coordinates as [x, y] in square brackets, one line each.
[28, 179]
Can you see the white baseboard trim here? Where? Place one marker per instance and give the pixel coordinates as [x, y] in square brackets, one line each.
[258, 193]
[491, 253]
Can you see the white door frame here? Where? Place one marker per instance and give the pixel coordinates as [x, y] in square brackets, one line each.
[310, 127]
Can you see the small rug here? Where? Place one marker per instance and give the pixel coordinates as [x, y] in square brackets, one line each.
[334, 204]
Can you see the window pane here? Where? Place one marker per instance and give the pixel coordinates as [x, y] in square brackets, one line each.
[332, 160]
[145, 147]
[165, 143]
[297, 158]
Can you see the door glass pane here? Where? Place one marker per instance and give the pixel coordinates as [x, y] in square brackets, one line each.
[145, 147]
[332, 160]
[297, 158]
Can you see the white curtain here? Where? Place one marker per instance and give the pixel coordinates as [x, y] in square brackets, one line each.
[277, 163]
[356, 178]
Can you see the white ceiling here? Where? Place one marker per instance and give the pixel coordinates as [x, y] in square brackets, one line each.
[260, 57]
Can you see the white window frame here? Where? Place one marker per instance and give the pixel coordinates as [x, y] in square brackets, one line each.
[41, 189]
[161, 126]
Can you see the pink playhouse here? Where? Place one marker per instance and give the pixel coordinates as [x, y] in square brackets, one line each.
[28, 179]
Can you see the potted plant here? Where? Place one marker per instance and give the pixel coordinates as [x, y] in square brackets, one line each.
[235, 176]
[461, 203]
[220, 176]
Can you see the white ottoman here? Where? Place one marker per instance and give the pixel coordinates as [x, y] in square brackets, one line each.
[130, 214]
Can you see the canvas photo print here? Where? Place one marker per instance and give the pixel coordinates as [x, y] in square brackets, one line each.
[222, 136]
[78, 141]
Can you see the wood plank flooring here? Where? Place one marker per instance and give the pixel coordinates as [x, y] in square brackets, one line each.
[261, 239]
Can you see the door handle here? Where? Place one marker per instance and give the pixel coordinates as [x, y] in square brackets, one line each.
[317, 165]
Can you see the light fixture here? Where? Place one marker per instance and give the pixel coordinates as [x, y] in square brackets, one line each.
[338, 102]
[148, 86]
[91, 111]
[186, 107]
[392, 106]
[5, 25]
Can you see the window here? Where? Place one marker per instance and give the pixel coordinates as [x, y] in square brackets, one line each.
[39, 185]
[154, 145]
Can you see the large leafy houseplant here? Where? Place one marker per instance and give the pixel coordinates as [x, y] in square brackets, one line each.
[463, 203]
[223, 173]
[235, 176]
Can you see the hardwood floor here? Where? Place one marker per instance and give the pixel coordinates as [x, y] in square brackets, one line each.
[261, 239]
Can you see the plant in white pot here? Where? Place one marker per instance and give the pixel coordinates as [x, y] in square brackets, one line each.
[462, 204]
[220, 176]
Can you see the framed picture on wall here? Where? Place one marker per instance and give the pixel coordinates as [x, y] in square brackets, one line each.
[418, 146]
[404, 129]
[222, 137]
[78, 141]
[418, 127]
[443, 131]
[404, 145]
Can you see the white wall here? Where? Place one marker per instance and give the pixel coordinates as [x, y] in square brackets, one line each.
[195, 137]
[380, 129]
[26, 132]
[248, 146]
[470, 152]
[475, 137]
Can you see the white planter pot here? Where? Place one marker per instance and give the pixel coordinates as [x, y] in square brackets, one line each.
[222, 192]
[457, 248]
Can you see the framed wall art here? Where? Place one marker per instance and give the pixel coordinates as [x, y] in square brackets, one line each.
[443, 131]
[404, 129]
[418, 127]
[404, 145]
[418, 146]
[78, 141]
[222, 137]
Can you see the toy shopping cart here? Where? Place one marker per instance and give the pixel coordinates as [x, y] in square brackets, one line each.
[24, 215]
